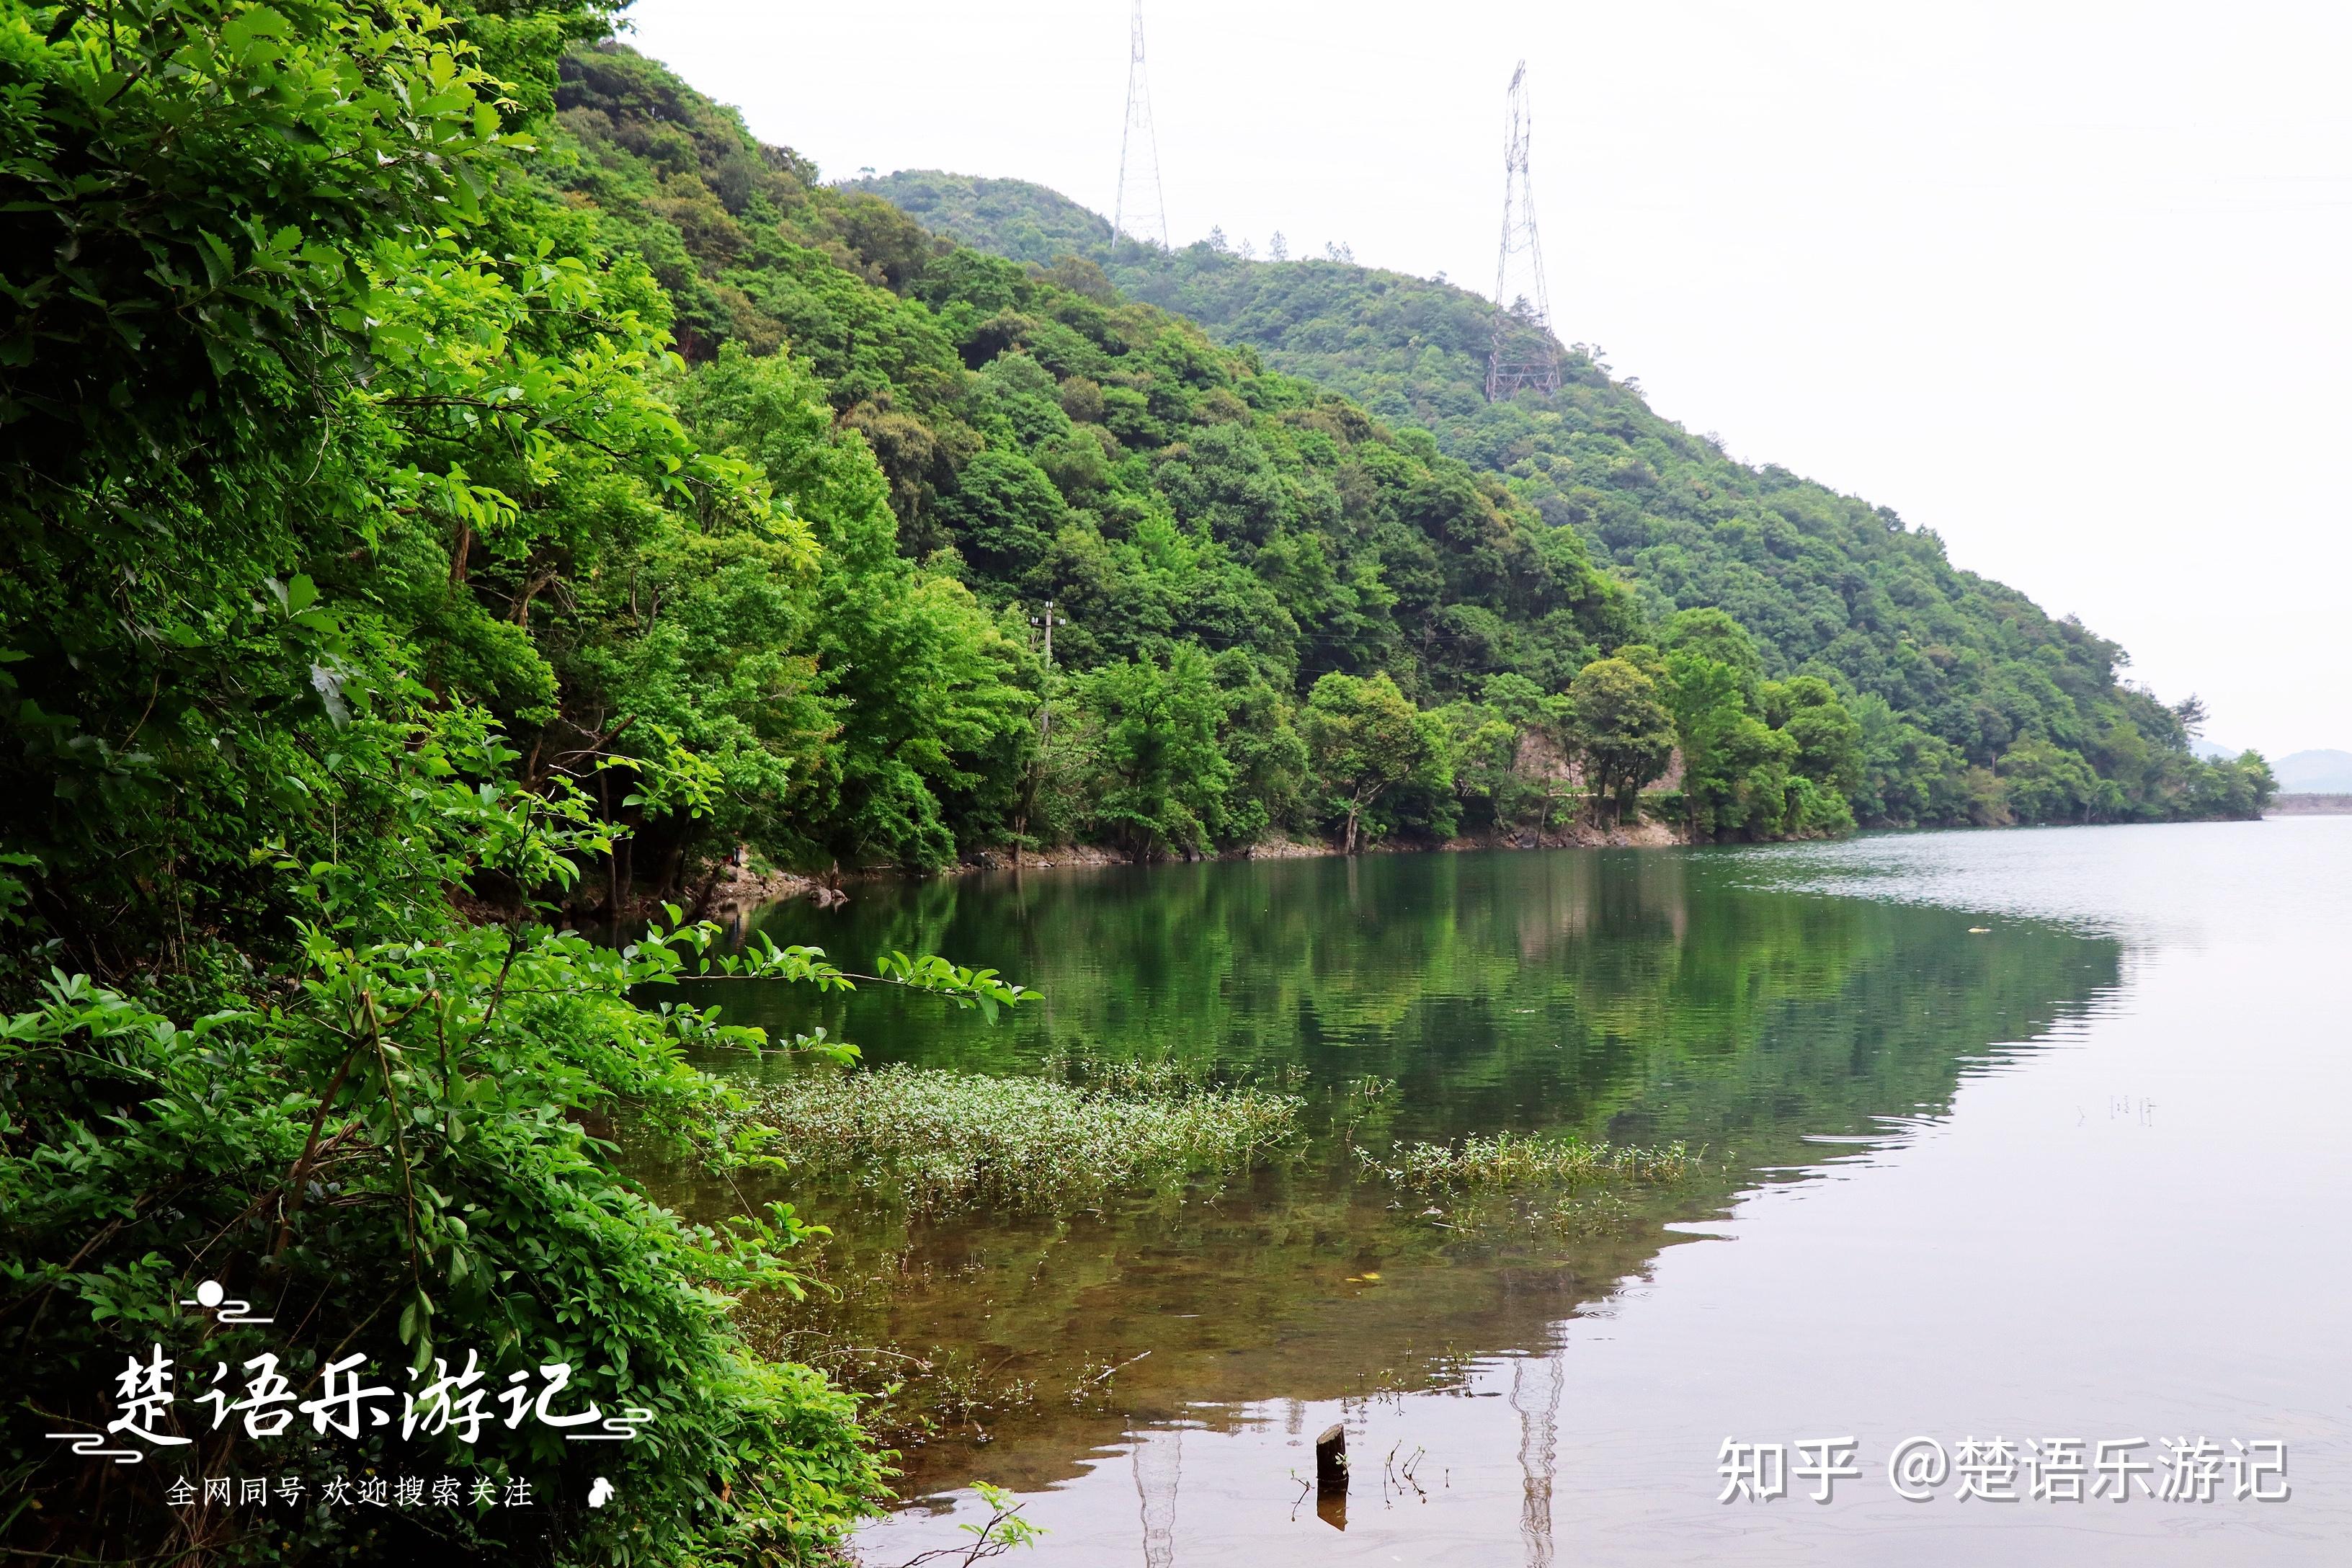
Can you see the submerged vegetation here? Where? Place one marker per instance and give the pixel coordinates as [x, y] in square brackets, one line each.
[1504, 1160]
[935, 1140]
[929, 1141]
[909, 1152]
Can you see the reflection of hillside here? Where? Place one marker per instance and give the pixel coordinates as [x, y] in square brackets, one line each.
[1635, 997]
[1502, 990]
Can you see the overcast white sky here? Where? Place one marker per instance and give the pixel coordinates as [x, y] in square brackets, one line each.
[2065, 282]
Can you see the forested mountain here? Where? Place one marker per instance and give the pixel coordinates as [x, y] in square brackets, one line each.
[1216, 539]
[1972, 702]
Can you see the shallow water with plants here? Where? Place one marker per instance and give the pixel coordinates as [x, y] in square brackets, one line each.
[1546, 1172]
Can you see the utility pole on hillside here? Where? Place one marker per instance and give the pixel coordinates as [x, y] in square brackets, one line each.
[1049, 620]
[1141, 212]
[1523, 353]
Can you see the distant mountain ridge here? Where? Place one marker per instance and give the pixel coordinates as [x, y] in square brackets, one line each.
[2315, 772]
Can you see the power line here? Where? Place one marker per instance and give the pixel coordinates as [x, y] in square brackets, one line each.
[1141, 212]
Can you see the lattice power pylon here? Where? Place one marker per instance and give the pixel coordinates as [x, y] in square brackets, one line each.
[1141, 212]
[1524, 353]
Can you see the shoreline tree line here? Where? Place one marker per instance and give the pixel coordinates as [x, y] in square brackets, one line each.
[1974, 705]
[1247, 569]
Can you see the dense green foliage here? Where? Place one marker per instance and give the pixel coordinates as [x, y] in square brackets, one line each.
[332, 440]
[1973, 705]
[1218, 541]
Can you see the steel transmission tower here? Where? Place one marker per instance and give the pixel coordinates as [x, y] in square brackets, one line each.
[1524, 353]
[1142, 211]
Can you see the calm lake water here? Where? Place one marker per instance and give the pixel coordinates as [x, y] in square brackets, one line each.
[2084, 1174]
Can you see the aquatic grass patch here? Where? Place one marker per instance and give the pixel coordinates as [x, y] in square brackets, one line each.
[1590, 1215]
[1158, 1075]
[936, 1139]
[1510, 1159]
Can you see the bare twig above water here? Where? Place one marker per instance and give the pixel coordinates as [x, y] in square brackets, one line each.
[1104, 1373]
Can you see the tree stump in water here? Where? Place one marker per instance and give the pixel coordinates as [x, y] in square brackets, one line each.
[1331, 1460]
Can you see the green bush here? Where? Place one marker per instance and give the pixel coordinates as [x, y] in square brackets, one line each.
[385, 1142]
[334, 452]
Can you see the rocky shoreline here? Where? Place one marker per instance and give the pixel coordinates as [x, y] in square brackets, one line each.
[741, 889]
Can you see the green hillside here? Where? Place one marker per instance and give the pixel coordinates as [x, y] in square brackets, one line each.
[1273, 610]
[1972, 701]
